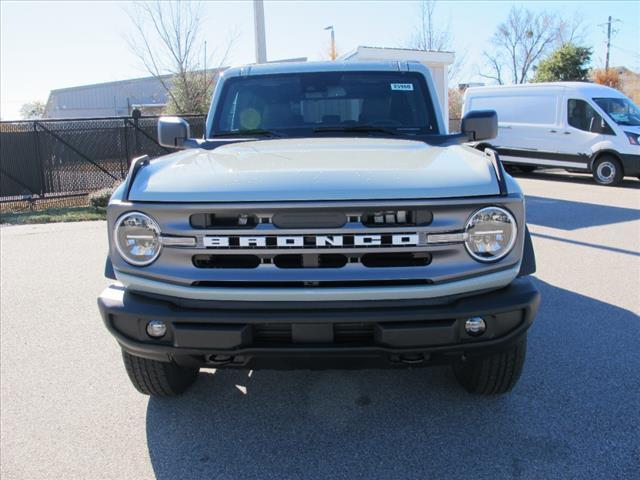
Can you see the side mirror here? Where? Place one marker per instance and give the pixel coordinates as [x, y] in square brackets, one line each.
[480, 124]
[172, 132]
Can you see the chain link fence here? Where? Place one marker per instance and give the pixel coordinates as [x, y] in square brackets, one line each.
[45, 163]
[56, 163]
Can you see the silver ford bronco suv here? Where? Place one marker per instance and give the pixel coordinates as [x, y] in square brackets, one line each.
[325, 219]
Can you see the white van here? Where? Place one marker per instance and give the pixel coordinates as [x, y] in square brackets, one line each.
[572, 125]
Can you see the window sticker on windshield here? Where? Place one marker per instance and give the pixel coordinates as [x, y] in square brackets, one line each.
[405, 87]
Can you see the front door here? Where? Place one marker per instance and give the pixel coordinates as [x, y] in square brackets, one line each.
[583, 128]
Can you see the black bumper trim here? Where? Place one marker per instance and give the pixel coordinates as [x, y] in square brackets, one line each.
[422, 329]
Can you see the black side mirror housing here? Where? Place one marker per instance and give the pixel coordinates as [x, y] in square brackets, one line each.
[480, 124]
[173, 132]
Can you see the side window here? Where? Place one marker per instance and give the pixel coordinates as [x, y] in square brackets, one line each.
[582, 116]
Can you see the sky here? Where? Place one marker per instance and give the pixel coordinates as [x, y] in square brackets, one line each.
[50, 45]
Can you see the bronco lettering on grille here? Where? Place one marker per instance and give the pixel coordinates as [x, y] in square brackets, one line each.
[312, 241]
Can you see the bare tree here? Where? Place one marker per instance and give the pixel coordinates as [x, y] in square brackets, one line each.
[495, 64]
[520, 42]
[429, 36]
[168, 43]
[426, 35]
[571, 31]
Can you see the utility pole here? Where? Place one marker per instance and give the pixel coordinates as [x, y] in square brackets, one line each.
[258, 22]
[333, 42]
[610, 31]
[606, 64]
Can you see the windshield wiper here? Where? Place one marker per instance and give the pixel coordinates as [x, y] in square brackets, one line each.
[247, 132]
[356, 129]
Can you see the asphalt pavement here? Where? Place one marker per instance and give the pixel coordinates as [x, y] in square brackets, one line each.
[67, 410]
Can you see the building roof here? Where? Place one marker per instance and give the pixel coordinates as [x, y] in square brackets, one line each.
[585, 88]
[406, 54]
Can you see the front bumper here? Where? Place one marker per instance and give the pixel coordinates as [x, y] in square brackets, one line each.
[630, 164]
[298, 334]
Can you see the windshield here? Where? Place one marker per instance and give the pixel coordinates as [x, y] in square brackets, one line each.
[621, 110]
[306, 104]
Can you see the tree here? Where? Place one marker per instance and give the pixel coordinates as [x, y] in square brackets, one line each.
[32, 110]
[168, 43]
[428, 36]
[567, 63]
[456, 99]
[610, 78]
[522, 40]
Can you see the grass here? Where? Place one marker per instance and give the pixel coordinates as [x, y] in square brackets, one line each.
[50, 215]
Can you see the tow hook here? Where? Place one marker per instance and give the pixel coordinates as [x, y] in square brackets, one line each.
[219, 359]
[409, 358]
[412, 358]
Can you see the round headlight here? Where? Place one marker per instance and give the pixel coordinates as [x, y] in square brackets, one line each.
[490, 234]
[137, 238]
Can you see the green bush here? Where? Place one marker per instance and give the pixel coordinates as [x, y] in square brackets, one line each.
[100, 198]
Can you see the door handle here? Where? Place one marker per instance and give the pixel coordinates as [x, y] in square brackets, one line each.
[553, 131]
[567, 133]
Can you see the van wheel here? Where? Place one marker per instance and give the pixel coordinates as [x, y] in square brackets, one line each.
[162, 379]
[607, 170]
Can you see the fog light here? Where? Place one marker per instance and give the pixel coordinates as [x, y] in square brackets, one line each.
[475, 326]
[156, 328]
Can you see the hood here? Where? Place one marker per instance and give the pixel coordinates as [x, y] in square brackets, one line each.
[316, 169]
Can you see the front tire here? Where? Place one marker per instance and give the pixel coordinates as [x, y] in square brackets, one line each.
[494, 374]
[607, 170]
[161, 379]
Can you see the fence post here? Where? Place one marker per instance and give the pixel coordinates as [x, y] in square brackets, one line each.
[36, 140]
[126, 144]
[136, 114]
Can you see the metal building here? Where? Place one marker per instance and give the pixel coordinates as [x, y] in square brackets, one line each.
[110, 99]
[115, 99]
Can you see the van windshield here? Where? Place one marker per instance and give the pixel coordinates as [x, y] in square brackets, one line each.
[305, 104]
[621, 110]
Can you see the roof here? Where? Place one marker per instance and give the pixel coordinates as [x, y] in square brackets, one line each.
[400, 54]
[110, 84]
[327, 66]
[585, 88]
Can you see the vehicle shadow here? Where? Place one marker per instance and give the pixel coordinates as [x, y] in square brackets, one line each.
[571, 215]
[578, 393]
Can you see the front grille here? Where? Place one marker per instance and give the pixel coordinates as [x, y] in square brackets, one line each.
[310, 260]
[280, 334]
[397, 218]
[226, 261]
[290, 245]
[353, 333]
[221, 220]
[383, 260]
[272, 334]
